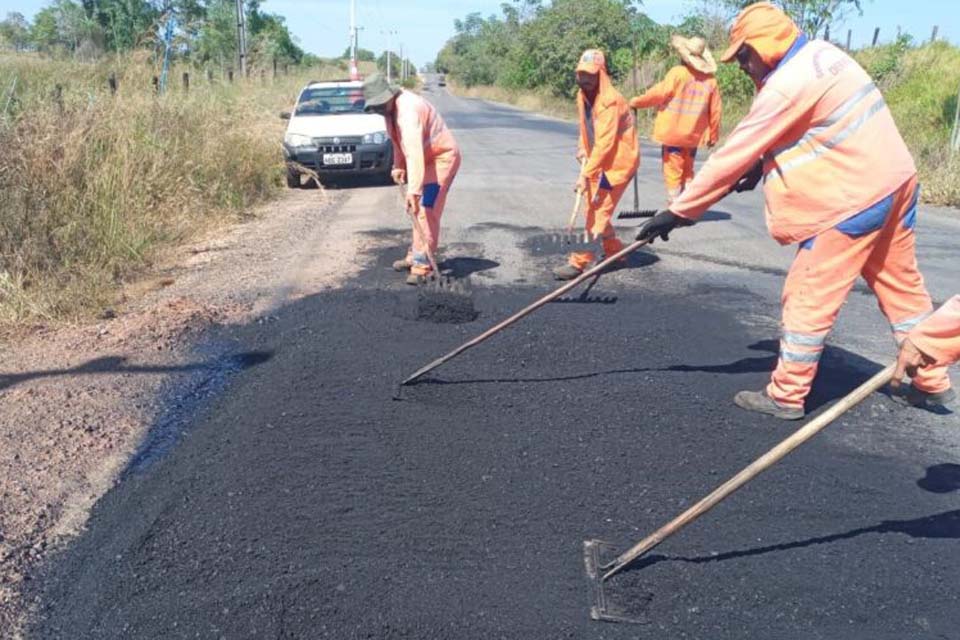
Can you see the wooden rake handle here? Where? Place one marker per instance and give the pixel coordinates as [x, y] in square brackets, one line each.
[589, 273]
[577, 202]
[757, 467]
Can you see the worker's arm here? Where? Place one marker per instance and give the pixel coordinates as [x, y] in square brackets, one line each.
[938, 337]
[770, 116]
[399, 160]
[716, 113]
[604, 141]
[657, 95]
[411, 139]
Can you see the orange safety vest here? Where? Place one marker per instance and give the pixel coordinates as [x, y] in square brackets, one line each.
[842, 152]
[614, 150]
[689, 108]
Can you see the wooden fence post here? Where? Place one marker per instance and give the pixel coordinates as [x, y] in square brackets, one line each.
[933, 37]
[274, 67]
[230, 76]
[849, 37]
[955, 146]
[186, 81]
[876, 36]
[156, 85]
[58, 96]
[112, 83]
[263, 75]
[210, 76]
[826, 33]
[286, 70]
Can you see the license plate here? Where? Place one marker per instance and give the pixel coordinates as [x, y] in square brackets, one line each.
[338, 158]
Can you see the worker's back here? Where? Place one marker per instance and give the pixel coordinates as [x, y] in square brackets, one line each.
[684, 118]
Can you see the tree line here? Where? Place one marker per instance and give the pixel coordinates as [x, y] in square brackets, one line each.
[205, 31]
[534, 44]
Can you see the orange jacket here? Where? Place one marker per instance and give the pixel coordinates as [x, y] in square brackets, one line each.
[614, 152]
[829, 145]
[419, 137]
[689, 108]
[939, 335]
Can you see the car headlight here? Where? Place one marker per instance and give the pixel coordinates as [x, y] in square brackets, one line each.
[375, 138]
[297, 140]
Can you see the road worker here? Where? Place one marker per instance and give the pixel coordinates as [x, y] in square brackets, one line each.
[607, 150]
[688, 111]
[838, 181]
[425, 158]
[935, 341]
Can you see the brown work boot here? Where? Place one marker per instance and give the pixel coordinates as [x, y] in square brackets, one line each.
[402, 265]
[566, 272]
[760, 402]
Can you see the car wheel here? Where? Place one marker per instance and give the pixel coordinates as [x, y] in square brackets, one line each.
[293, 178]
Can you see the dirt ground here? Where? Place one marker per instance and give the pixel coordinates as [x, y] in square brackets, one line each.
[75, 401]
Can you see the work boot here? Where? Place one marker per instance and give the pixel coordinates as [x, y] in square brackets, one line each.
[414, 279]
[924, 399]
[566, 272]
[402, 265]
[759, 401]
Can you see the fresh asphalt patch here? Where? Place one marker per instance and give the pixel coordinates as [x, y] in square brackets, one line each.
[305, 502]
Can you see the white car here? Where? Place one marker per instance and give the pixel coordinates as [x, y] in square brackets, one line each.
[329, 133]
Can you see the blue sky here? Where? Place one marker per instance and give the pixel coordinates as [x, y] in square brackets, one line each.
[424, 25]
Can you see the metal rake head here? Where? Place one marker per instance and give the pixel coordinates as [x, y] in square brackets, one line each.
[636, 213]
[596, 554]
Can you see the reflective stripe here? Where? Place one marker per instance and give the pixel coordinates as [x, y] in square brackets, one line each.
[803, 339]
[793, 356]
[836, 140]
[907, 325]
[835, 116]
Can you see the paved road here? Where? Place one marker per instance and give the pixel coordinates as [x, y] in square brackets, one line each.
[312, 499]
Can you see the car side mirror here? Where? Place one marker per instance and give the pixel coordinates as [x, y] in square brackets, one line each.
[284, 115]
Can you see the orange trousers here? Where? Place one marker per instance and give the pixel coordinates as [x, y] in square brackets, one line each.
[877, 244]
[600, 211]
[677, 169]
[438, 178]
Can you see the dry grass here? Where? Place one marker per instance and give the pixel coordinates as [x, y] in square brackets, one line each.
[93, 186]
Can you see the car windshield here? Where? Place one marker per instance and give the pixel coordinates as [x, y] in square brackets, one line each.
[330, 100]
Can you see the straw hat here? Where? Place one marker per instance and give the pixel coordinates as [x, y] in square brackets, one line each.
[694, 52]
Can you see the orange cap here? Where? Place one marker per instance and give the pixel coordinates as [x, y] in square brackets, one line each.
[592, 61]
[764, 27]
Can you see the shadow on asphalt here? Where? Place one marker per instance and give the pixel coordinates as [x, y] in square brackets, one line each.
[463, 266]
[941, 478]
[117, 364]
[944, 525]
[841, 372]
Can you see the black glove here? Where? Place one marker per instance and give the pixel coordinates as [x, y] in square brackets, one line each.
[661, 225]
[750, 179]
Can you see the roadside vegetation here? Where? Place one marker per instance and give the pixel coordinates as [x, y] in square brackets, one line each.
[96, 182]
[526, 57]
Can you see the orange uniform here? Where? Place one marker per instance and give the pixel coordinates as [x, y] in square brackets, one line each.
[425, 148]
[608, 141]
[838, 179]
[688, 114]
[939, 335]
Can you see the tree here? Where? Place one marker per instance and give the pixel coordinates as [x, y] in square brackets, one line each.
[363, 55]
[812, 16]
[15, 31]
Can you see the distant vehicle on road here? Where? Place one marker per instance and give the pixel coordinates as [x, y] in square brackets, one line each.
[329, 133]
[442, 80]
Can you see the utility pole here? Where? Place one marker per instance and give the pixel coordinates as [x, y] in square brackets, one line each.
[354, 68]
[403, 67]
[389, 35]
[242, 38]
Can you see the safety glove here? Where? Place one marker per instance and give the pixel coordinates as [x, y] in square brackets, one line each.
[661, 225]
[749, 180]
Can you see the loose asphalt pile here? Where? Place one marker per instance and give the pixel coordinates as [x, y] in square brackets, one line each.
[305, 502]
